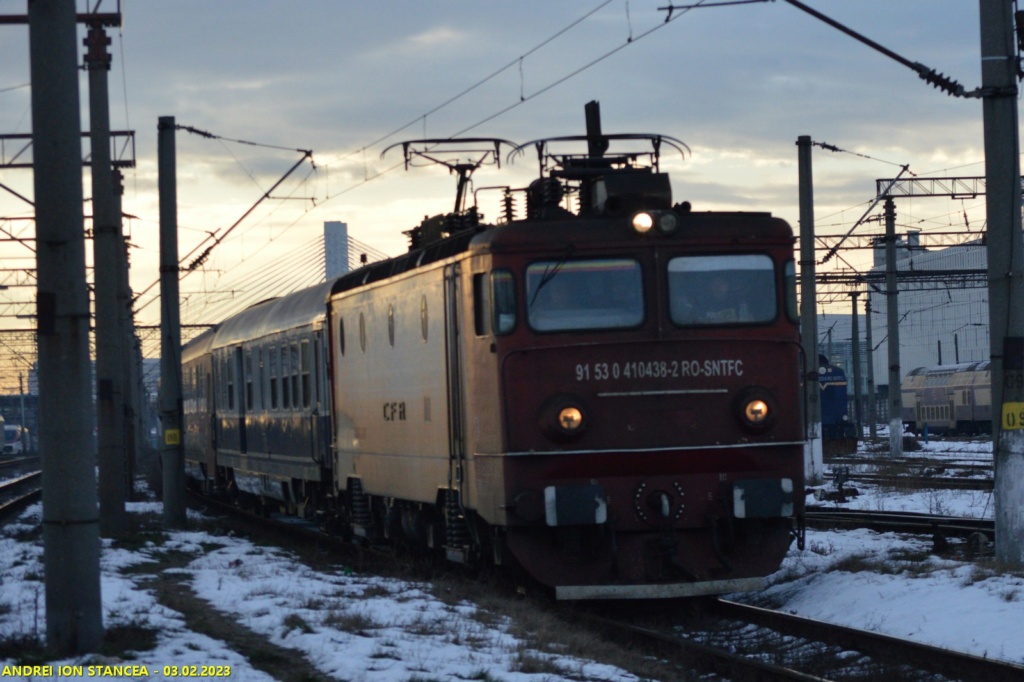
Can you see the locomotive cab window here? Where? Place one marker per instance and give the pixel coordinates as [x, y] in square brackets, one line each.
[503, 300]
[602, 293]
[792, 311]
[721, 290]
[494, 303]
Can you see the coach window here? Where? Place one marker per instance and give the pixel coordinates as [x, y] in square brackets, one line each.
[248, 379]
[307, 389]
[721, 290]
[260, 400]
[286, 369]
[296, 369]
[272, 353]
[602, 293]
[503, 298]
[230, 374]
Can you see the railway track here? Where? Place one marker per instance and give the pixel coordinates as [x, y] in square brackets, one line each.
[949, 460]
[741, 642]
[900, 522]
[922, 482]
[926, 473]
[736, 641]
[19, 462]
[18, 493]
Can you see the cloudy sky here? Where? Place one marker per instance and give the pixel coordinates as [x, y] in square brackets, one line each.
[738, 84]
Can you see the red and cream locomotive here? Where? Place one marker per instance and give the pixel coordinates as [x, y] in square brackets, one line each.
[605, 392]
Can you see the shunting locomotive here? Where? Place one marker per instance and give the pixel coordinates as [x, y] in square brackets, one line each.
[604, 391]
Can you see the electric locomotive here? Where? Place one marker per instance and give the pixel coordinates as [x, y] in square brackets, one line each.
[605, 392]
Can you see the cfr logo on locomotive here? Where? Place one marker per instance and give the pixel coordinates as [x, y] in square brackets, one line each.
[394, 412]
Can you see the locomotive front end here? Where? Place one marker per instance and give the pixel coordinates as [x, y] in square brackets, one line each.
[652, 406]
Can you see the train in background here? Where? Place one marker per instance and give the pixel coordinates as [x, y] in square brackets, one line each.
[838, 431]
[17, 440]
[604, 390]
[948, 399]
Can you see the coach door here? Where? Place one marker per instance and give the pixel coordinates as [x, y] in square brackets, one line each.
[453, 352]
[321, 413]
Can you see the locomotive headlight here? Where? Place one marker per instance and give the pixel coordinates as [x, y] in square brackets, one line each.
[756, 409]
[563, 417]
[570, 419]
[666, 222]
[756, 412]
[643, 222]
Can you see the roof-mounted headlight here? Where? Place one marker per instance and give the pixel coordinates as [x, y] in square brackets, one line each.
[643, 222]
[665, 222]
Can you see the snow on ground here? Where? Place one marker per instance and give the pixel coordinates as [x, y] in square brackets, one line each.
[364, 628]
[349, 626]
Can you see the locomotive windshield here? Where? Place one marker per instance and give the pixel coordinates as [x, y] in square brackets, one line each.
[604, 293]
[720, 290]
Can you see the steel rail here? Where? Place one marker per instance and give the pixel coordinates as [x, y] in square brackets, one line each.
[694, 654]
[908, 522]
[9, 463]
[923, 482]
[946, 662]
[9, 508]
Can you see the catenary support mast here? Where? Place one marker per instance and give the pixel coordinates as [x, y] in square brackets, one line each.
[893, 333]
[106, 228]
[813, 456]
[999, 66]
[171, 417]
[870, 352]
[858, 413]
[71, 544]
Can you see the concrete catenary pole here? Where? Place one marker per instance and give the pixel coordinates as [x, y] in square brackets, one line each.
[893, 333]
[171, 452]
[71, 543]
[129, 366]
[870, 350]
[858, 413]
[1006, 273]
[813, 458]
[106, 226]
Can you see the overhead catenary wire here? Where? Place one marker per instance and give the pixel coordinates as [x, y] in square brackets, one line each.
[522, 98]
[451, 100]
[288, 273]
